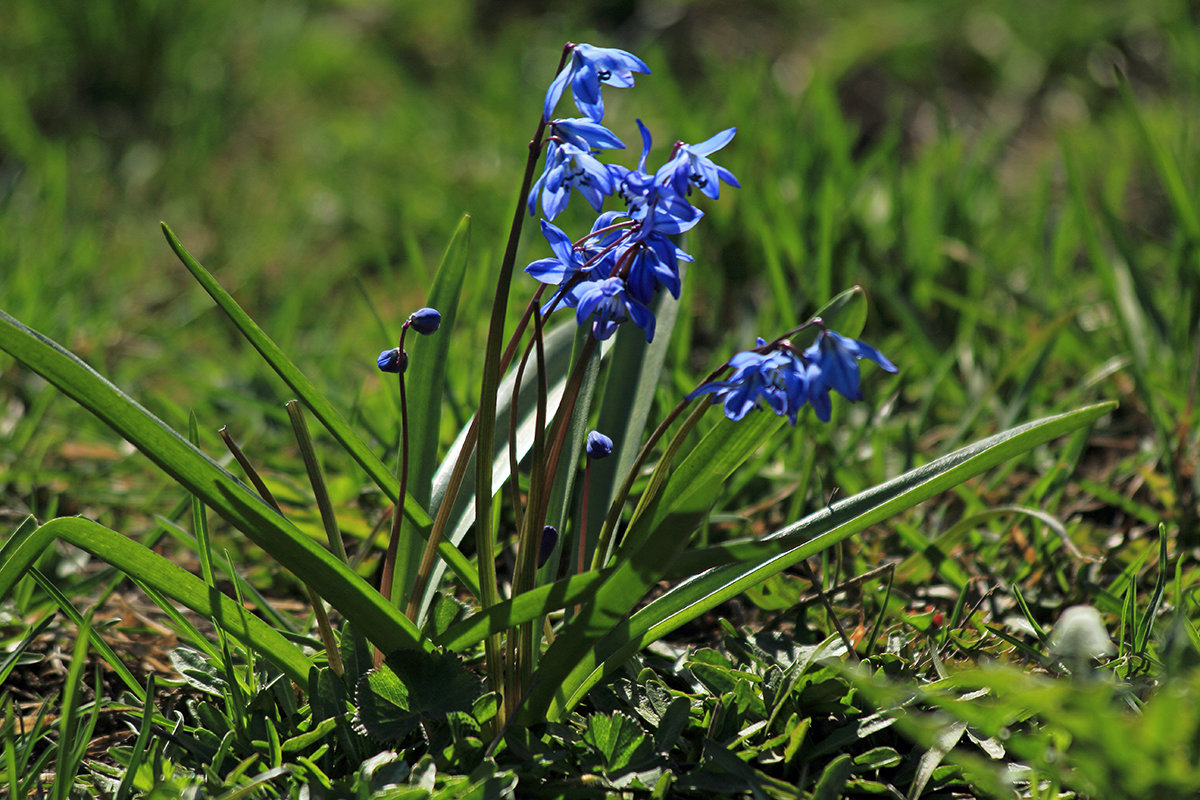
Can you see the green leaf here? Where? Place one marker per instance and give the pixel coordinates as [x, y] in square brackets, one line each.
[615, 738]
[659, 535]
[628, 397]
[833, 778]
[412, 686]
[22, 550]
[220, 491]
[522, 608]
[558, 364]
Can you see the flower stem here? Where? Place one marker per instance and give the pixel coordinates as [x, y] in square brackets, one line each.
[485, 540]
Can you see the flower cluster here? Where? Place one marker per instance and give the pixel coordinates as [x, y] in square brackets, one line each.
[779, 376]
[616, 271]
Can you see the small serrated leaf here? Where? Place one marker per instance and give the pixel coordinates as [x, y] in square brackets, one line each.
[383, 709]
[410, 686]
[615, 738]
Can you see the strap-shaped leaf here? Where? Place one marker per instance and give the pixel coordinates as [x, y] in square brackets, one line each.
[746, 564]
[147, 567]
[321, 408]
[203, 477]
[524, 607]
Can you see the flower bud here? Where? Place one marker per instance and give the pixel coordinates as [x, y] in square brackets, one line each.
[598, 445]
[425, 320]
[549, 539]
[394, 360]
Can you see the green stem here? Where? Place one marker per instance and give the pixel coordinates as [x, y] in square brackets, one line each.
[530, 541]
[600, 556]
[389, 560]
[484, 536]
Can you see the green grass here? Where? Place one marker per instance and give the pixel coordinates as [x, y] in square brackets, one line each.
[1013, 184]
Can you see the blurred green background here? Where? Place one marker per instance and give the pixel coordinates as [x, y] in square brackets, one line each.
[1021, 225]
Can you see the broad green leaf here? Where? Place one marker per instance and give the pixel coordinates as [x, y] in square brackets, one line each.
[427, 368]
[833, 778]
[22, 550]
[736, 566]
[322, 409]
[410, 687]
[651, 544]
[220, 491]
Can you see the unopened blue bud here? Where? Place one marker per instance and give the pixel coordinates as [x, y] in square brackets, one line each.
[549, 539]
[425, 321]
[598, 445]
[394, 360]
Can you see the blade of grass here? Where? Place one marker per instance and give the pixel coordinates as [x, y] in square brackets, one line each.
[19, 553]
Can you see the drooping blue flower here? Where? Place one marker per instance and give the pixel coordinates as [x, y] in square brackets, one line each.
[835, 366]
[425, 320]
[655, 264]
[772, 378]
[585, 134]
[566, 263]
[569, 166]
[782, 379]
[691, 166]
[588, 68]
[394, 360]
[611, 303]
[598, 446]
[656, 206]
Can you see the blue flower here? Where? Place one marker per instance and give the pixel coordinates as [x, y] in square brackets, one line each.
[835, 366]
[425, 320]
[567, 262]
[598, 446]
[655, 263]
[588, 68]
[775, 379]
[690, 166]
[656, 206]
[394, 360]
[569, 166]
[778, 377]
[612, 303]
[585, 134]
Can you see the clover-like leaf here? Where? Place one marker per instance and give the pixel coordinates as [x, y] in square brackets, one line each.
[616, 739]
[413, 686]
